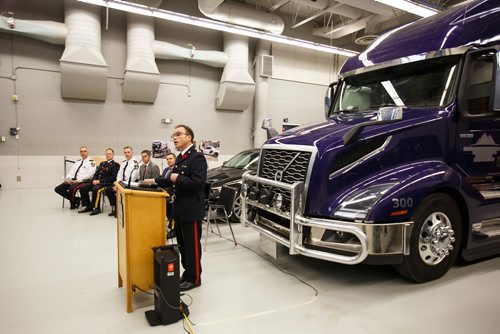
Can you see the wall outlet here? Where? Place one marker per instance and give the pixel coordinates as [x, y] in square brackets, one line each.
[3, 138]
[19, 178]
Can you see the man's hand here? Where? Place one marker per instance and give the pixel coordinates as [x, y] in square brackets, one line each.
[173, 177]
[95, 182]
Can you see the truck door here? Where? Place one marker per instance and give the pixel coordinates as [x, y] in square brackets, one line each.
[478, 146]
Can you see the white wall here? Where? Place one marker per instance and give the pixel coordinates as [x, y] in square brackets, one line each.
[52, 127]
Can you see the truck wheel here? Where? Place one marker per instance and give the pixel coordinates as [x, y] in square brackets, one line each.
[435, 239]
[236, 212]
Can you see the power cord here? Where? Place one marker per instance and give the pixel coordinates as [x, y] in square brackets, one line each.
[137, 287]
[177, 308]
[274, 264]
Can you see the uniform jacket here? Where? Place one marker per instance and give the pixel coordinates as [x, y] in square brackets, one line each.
[151, 172]
[164, 180]
[82, 171]
[189, 202]
[132, 170]
[106, 172]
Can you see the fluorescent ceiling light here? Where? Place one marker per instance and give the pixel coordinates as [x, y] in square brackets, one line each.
[410, 7]
[216, 25]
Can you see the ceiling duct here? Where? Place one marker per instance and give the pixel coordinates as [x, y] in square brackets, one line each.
[46, 31]
[83, 68]
[236, 88]
[241, 15]
[141, 78]
[169, 51]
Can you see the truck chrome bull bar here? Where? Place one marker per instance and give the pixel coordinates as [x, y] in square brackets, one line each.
[297, 222]
[374, 239]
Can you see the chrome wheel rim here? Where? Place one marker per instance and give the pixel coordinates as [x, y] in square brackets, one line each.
[436, 238]
[237, 207]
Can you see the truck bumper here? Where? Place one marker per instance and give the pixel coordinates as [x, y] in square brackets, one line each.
[325, 239]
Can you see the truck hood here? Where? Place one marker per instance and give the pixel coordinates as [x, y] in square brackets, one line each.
[327, 136]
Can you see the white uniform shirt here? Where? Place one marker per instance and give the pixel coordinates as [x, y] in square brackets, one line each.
[131, 170]
[82, 170]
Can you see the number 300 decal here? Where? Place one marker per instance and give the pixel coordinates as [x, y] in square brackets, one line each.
[401, 203]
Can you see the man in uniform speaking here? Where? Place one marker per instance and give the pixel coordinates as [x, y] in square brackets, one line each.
[188, 178]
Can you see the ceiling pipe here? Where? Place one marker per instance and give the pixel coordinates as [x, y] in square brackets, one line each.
[169, 51]
[238, 14]
[341, 30]
[46, 31]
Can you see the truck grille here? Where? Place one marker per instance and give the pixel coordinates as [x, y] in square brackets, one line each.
[285, 166]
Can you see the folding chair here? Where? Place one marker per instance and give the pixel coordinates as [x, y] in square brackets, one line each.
[219, 210]
[66, 161]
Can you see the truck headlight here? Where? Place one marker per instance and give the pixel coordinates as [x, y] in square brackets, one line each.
[215, 192]
[357, 204]
[277, 201]
[243, 190]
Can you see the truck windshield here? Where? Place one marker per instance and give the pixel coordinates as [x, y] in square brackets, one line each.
[427, 83]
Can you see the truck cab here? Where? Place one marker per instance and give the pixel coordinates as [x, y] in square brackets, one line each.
[405, 170]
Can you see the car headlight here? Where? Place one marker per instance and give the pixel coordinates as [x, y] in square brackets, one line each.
[357, 204]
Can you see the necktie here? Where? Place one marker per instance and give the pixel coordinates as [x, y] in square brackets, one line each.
[145, 171]
[124, 169]
[76, 173]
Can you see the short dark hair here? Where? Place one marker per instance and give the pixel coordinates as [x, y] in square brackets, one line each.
[189, 131]
[170, 154]
[148, 152]
[128, 147]
[110, 149]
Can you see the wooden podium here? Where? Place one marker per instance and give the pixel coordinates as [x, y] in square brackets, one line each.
[140, 225]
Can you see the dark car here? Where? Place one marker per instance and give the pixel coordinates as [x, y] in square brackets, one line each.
[230, 174]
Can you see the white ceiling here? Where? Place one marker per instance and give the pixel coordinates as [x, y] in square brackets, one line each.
[342, 23]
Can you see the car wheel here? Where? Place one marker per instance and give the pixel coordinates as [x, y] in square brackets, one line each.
[215, 155]
[435, 239]
[236, 211]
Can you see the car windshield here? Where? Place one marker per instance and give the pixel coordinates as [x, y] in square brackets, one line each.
[426, 83]
[241, 160]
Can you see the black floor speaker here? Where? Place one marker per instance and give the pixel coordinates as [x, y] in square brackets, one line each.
[168, 307]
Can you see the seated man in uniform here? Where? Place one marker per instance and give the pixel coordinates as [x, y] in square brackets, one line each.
[82, 171]
[129, 170]
[103, 178]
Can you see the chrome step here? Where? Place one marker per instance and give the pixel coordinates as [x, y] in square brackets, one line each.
[489, 194]
[487, 229]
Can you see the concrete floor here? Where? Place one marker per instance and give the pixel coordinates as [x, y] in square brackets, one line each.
[59, 275]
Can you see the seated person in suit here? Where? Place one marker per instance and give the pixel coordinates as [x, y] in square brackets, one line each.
[148, 169]
[103, 178]
[81, 172]
[163, 181]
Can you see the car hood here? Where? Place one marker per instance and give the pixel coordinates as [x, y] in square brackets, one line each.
[221, 175]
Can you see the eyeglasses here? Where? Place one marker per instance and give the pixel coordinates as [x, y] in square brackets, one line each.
[178, 134]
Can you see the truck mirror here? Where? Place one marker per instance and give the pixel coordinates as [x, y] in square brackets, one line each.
[330, 93]
[389, 113]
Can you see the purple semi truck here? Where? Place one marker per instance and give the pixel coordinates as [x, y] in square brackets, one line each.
[405, 170]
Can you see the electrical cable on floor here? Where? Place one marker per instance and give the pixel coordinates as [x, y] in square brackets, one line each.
[137, 287]
[274, 264]
[177, 308]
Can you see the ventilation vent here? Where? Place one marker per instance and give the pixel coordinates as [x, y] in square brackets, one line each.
[366, 39]
[357, 152]
[266, 68]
